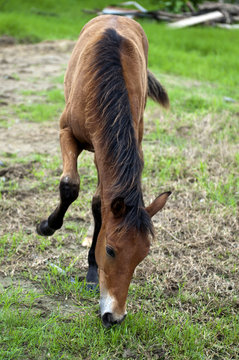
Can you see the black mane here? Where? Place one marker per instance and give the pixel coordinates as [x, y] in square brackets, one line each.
[117, 134]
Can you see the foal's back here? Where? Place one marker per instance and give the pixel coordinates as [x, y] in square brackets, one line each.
[79, 78]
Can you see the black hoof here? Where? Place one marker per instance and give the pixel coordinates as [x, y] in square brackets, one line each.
[92, 287]
[44, 229]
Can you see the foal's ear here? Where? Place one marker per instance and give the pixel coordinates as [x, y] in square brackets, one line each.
[158, 203]
[118, 207]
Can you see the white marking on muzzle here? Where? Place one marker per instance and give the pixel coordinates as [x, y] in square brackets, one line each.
[107, 304]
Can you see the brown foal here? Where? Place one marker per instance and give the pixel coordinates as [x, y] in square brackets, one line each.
[106, 88]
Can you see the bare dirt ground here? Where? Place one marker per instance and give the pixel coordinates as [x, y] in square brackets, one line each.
[197, 248]
[30, 67]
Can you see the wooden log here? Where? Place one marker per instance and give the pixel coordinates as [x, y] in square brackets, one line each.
[158, 15]
[235, 18]
[113, 10]
[228, 26]
[211, 6]
[194, 20]
[164, 15]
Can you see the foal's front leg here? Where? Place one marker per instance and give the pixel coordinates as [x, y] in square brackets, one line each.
[92, 274]
[69, 183]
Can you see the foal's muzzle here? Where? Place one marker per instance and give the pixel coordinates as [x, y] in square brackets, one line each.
[108, 320]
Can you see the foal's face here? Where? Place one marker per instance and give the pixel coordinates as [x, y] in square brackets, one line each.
[117, 255]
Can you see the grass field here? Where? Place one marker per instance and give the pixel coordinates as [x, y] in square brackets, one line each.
[183, 302]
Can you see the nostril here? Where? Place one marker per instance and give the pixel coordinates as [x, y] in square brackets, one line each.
[107, 320]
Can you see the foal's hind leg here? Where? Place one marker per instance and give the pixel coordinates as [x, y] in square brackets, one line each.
[69, 183]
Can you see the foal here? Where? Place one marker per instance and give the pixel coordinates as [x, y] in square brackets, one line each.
[106, 87]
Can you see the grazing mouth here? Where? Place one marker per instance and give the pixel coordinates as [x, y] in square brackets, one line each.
[108, 320]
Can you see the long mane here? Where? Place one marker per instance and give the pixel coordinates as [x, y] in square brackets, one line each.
[116, 134]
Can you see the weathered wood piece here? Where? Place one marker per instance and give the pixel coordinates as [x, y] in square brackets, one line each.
[233, 9]
[228, 26]
[194, 20]
[167, 16]
[230, 11]
[114, 10]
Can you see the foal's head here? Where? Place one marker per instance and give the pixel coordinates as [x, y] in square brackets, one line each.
[119, 250]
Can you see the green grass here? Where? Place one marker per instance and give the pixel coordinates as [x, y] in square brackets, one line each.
[169, 333]
[198, 53]
[37, 112]
[49, 108]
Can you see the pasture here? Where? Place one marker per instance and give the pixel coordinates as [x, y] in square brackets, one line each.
[183, 301]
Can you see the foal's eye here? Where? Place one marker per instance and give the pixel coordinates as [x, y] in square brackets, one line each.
[110, 251]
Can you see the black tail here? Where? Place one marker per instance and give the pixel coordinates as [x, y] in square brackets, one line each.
[156, 91]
